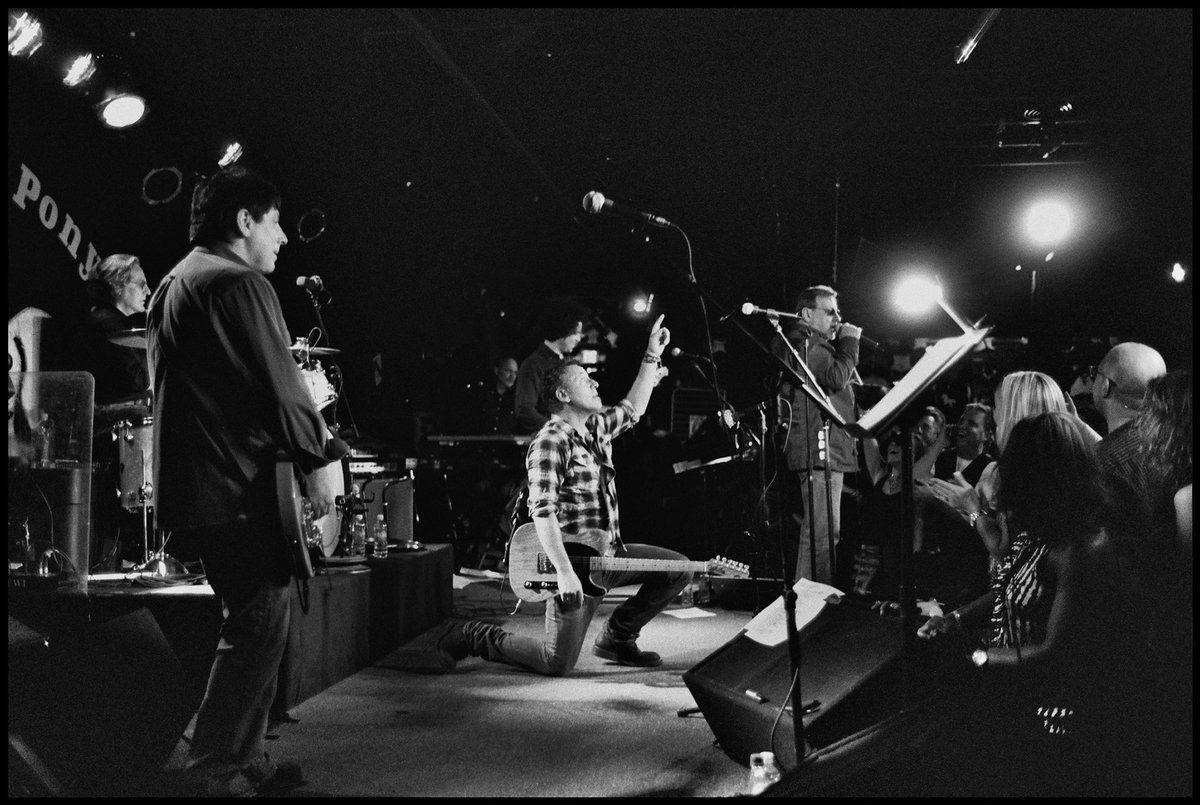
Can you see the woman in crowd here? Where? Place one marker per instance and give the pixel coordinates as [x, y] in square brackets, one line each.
[1020, 395]
[1052, 621]
[1159, 559]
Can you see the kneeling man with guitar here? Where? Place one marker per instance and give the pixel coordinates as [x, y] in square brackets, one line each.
[573, 503]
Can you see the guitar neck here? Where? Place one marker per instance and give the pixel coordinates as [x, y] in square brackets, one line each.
[658, 565]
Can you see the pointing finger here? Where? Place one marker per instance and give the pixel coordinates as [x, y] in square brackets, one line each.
[658, 322]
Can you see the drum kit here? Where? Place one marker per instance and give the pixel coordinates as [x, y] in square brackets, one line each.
[131, 423]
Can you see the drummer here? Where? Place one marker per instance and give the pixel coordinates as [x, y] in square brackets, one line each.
[116, 347]
[114, 351]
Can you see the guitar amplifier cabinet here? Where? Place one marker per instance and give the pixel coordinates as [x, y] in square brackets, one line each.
[393, 498]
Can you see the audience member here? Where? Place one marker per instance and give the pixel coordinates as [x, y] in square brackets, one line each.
[1159, 551]
[1119, 393]
[1053, 622]
[954, 568]
[562, 326]
[1020, 395]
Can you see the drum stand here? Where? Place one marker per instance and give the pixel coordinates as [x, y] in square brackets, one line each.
[157, 563]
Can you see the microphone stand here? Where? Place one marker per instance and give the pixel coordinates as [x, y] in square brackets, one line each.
[808, 384]
[316, 305]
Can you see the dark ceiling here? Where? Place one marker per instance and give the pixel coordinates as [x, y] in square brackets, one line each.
[449, 150]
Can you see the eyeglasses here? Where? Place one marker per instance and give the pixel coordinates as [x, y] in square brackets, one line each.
[832, 311]
[1093, 373]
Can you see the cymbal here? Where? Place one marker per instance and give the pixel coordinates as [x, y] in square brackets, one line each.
[135, 338]
[315, 350]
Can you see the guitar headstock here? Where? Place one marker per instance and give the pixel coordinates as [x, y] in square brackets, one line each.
[727, 568]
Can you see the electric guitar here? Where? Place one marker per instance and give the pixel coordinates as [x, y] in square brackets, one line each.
[297, 524]
[534, 578]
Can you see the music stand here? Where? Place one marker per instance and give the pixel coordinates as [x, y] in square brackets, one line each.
[937, 360]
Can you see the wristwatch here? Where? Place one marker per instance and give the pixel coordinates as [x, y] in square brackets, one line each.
[980, 657]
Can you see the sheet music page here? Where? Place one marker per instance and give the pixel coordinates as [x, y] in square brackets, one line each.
[932, 363]
[769, 627]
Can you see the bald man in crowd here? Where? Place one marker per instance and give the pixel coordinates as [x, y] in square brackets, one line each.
[1119, 394]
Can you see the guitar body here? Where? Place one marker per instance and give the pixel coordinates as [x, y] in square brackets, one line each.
[292, 518]
[533, 578]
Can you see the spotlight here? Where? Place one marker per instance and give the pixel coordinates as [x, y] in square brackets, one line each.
[1048, 222]
[24, 35]
[1178, 273]
[121, 109]
[233, 152]
[81, 69]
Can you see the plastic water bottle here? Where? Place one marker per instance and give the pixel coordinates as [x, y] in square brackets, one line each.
[381, 546]
[358, 536]
[763, 772]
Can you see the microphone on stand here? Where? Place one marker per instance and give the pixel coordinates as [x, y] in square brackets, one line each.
[595, 202]
[676, 352]
[749, 309]
[311, 284]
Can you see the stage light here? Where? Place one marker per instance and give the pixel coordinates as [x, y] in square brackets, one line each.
[233, 152]
[916, 294]
[24, 35]
[967, 46]
[642, 305]
[81, 69]
[1048, 222]
[1178, 273]
[121, 109]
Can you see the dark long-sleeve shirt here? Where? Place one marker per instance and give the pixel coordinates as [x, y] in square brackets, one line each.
[833, 367]
[228, 397]
[528, 386]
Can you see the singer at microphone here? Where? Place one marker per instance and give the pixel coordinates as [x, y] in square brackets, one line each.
[816, 457]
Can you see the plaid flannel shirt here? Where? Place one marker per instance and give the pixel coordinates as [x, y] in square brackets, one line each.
[571, 474]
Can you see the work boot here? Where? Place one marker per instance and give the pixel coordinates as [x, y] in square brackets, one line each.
[624, 652]
[451, 646]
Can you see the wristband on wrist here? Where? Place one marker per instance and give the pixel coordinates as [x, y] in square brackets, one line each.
[973, 516]
[648, 358]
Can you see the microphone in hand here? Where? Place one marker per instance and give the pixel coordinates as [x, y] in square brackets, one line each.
[854, 331]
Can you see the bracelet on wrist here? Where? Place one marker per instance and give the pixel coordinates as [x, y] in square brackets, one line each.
[648, 358]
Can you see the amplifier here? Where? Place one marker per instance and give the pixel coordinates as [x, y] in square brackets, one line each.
[365, 465]
[393, 498]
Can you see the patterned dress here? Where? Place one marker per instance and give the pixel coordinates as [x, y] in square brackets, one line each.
[1024, 594]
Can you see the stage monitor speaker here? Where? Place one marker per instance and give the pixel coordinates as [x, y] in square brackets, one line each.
[102, 706]
[393, 498]
[849, 663]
